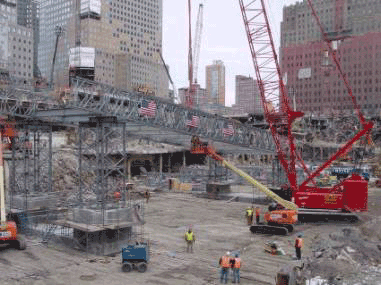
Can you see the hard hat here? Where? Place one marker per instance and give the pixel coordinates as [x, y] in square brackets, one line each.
[228, 253]
[236, 255]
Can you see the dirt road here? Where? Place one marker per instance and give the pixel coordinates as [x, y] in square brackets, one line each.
[219, 226]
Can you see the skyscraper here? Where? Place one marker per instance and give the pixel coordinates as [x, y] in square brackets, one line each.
[247, 97]
[354, 27]
[16, 43]
[215, 83]
[120, 42]
[28, 16]
[199, 100]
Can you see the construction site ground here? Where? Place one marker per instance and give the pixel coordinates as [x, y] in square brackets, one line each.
[219, 226]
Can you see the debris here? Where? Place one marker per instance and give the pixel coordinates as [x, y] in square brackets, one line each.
[273, 248]
[88, 277]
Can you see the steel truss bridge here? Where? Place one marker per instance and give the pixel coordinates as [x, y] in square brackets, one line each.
[101, 113]
[89, 99]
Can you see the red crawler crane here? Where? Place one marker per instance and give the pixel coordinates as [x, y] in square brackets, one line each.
[349, 195]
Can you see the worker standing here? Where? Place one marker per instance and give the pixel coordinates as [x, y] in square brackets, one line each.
[299, 246]
[190, 238]
[147, 194]
[236, 268]
[257, 215]
[225, 265]
[249, 215]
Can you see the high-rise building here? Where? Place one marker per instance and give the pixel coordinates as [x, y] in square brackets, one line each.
[355, 30]
[16, 43]
[53, 14]
[199, 100]
[247, 96]
[119, 41]
[215, 83]
[28, 16]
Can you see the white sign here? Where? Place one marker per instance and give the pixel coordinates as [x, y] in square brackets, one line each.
[304, 73]
[91, 6]
[82, 57]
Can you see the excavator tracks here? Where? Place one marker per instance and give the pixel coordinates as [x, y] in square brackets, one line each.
[271, 230]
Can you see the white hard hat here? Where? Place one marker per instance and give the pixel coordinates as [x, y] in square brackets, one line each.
[228, 253]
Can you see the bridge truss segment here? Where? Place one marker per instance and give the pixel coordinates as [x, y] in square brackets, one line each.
[109, 101]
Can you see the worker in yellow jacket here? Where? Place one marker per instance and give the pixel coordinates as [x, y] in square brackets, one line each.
[190, 238]
[249, 215]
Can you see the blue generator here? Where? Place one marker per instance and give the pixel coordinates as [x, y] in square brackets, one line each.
[135, 256]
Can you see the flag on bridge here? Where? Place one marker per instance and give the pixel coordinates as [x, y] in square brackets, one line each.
[193, 121]
[228, 130]
[148, 109]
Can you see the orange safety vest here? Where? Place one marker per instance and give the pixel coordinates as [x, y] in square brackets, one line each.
[237, 263]
[257, 212]
[299, 242]
[225, 262]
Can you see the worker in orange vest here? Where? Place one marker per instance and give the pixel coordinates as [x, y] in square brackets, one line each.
[225, 265]
[299, 246]
[236, 267]
[257, 215]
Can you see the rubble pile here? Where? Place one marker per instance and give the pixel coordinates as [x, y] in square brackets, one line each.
[346, 255]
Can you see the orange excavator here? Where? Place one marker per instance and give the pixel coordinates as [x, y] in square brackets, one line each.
[280, 219]
[8, 229]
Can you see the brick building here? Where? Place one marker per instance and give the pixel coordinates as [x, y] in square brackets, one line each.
[355, 30]
[247, 97]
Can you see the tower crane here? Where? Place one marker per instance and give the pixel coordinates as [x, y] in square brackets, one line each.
[347, 196]
[190, 92]
[197, 40]
[193, 54]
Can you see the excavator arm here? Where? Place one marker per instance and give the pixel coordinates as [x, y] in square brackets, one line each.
[199, 147]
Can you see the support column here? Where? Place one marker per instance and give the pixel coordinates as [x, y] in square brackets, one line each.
[129, 169]
[50, 170]
[169, 162]
[161, 164]
[184, 160]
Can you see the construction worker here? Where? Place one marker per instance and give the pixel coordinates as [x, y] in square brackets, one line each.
[257, 215]
[147, 194]
[225, 265]
[190, 238]
[236, 267]
[249, 215]
[299, 246]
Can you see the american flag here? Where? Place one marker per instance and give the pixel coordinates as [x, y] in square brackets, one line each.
[228, 130]
[193, 121]
[147, 109]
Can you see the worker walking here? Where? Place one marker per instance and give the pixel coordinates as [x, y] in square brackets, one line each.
[299, 246]
[225, 265]
[249, 215]
[190, 238]
[236, 268]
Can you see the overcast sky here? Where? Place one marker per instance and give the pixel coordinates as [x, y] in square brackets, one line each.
[223, 38]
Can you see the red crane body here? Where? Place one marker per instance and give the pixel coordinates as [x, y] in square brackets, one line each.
[349, 195]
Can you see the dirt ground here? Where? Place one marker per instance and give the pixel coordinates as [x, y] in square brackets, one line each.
[219, 226]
